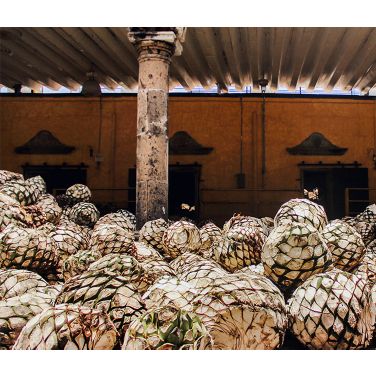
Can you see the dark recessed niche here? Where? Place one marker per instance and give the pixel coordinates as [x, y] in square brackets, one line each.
[316, 144]
[44, 142]
[183, 143]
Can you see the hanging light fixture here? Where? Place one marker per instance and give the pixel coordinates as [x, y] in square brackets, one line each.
[17, 88]
[263, 82]
[91, 87]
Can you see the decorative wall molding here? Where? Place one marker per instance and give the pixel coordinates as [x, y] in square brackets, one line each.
[316, 144]
[183, 143]
[44, 142]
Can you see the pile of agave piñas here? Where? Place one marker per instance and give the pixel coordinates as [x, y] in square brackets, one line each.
[70, 279]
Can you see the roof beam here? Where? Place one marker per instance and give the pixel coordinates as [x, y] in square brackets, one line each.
[183, 79]
[179, 66]
[123, 65]
[195, 59]
[54, 39]
[96, 55]
[23, 52]
[29, 70]
[204, 38]
[122, 34]
[265, 55]
[351, 47]
[10, 79]
[45, 52]
[236, 37]
[302, 49]
[220, 54]
[252, 43]
[291, 57]
[22, 77]
[114, 47]
[361, 62]
[278, 38]
[172, 83]
[232, 60]
[369, 79]
[310, 59]
[330, 37]
[290, 54]
[181, 61]
[7, 81]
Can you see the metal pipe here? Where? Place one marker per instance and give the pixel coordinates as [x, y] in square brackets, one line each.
[255, 170]
[98, 157]
[263, 82]
[113, 156]
[241, 135]
[263, 128]
[100, 125]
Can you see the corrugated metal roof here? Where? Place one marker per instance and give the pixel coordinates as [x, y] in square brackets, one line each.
[290, 58]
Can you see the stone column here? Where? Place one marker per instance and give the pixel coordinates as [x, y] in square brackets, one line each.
[155, 48]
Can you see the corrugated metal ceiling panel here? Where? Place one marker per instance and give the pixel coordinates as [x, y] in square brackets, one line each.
[290, 58]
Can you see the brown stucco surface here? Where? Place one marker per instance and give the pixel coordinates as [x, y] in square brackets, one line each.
[211, 121]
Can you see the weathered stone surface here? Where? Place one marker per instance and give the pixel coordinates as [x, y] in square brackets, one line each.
[155, 49]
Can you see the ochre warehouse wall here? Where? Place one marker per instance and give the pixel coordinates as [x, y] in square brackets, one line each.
[231, 125]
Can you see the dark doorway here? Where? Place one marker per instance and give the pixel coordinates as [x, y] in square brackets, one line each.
[184, 184]
[57, 178]
[184, 189]
[332, 183]
[132, 190]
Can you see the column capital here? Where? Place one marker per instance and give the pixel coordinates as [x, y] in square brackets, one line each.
[157, 42]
